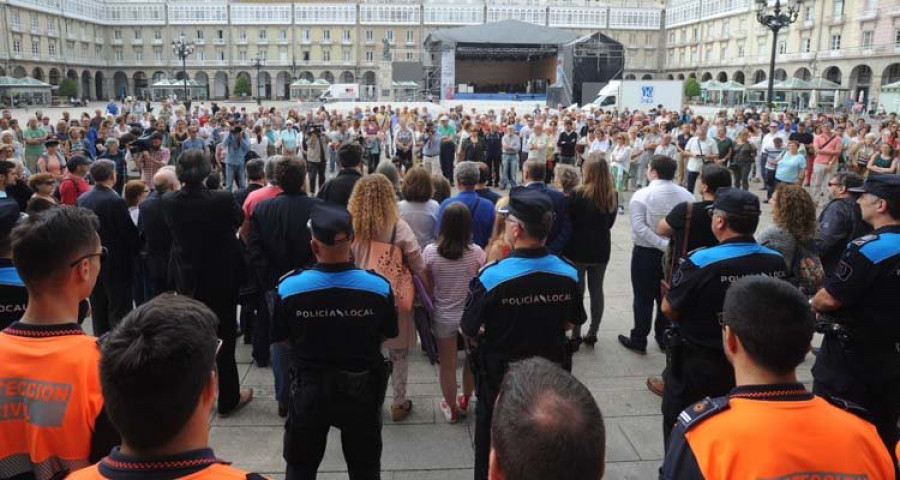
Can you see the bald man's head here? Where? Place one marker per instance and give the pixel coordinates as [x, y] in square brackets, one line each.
[166, 181]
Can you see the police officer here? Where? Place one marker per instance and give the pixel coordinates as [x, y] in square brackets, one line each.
[754, 431]
[13, 295]
[335, 317]
[695, 365]
[860, 355]
[519, 307]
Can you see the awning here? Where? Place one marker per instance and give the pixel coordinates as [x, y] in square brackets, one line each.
[892, 87]
[24, 82]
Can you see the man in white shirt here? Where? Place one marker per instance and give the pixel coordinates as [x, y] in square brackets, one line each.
[701, 149]
[666, 148]
[648, 206]
[768, 141]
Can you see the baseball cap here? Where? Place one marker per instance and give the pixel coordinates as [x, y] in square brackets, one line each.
[527, 205]
[330, 223]
[882, 185]
[735, 201]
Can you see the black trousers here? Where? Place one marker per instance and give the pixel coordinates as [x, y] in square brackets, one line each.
[487, 386]
[316, 176]
[692, 374]
[448, 153]
[111, 299]
[494, 165]
[224, 305]
[646, 273]
[839, 374]
[319, 402]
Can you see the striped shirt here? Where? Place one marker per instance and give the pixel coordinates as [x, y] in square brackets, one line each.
[451, 281]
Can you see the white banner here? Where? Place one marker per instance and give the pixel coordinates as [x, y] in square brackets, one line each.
[448, 72]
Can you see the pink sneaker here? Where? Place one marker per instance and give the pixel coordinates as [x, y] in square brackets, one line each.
[462, 403]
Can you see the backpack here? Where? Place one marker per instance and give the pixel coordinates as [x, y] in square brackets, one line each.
[56, 190]
[806, 271]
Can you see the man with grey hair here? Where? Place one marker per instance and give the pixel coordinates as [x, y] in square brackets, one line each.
[112, 296]
[152, 226]
[467, 177]
[117, 156]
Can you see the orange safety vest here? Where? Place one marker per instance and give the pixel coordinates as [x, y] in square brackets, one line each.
[217, 471]
[801, 439]
[49, 399]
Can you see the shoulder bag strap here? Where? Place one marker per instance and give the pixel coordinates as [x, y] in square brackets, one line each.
[687, 228]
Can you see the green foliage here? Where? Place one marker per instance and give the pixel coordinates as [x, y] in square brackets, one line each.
[242, 86]
[68, 88]
[691, 88]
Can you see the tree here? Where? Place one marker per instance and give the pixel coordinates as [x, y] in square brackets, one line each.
[691, 88]
[68, 88]
[242, 86]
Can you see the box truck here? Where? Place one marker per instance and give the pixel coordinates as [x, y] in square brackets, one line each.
[340, 92]
[640, 95]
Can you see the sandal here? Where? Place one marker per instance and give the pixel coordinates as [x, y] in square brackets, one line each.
[400, 412]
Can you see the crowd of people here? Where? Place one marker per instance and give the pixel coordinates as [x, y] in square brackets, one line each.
[334, 244]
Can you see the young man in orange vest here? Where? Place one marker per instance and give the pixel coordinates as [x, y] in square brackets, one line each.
[52, 417]
[769, 425]
[159, 380]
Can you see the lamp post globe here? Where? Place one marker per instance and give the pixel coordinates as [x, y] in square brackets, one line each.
[775, 15]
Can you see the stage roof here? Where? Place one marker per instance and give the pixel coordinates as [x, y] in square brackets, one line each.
[506, 32]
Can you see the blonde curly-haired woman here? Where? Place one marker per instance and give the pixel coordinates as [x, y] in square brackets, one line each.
[376, 219]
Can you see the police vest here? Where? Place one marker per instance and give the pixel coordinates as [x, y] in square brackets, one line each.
[781, 433]
[50, 399]
[218, 471]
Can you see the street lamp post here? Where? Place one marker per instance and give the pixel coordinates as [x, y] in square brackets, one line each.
[780, 17]
[183, 47]
[258, 63]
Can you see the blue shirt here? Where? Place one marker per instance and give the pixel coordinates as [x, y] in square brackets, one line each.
[196, 144]
[482, 211]
[788, 169]
[235, 149]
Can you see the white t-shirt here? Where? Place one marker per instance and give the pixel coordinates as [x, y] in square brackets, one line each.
[699, 147]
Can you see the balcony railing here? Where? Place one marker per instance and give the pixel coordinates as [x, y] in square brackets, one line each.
[52, 32]
[867, 15]
[241, 41]
[218, 41]
[16, 27]
[116, 41]
[137, 41]
[200, 41]
[262, 41]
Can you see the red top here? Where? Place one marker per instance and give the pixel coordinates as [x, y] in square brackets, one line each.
[70, 188]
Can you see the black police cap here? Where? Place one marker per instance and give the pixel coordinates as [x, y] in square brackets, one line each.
[882, 185]
[528, 205]
[330, 223]
[736, 201]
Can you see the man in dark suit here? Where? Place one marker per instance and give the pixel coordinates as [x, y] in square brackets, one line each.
[533, 172]
[256, 179]
[206, 261]
[338, 189]
[279, 242]
[155, 232]
[112, 297]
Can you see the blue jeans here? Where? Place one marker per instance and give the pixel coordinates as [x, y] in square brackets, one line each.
[235, 174]
[280, 357]
[509, 170]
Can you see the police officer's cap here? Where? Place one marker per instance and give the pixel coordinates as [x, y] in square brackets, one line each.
[529, 206]
[330, 224]
[882, 185]
[736, 201]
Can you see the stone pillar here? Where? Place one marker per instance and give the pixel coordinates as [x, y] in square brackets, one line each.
[384, 90]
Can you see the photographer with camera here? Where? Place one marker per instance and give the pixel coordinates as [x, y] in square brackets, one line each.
[149, 155]
[314, 148]
[236, 145]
